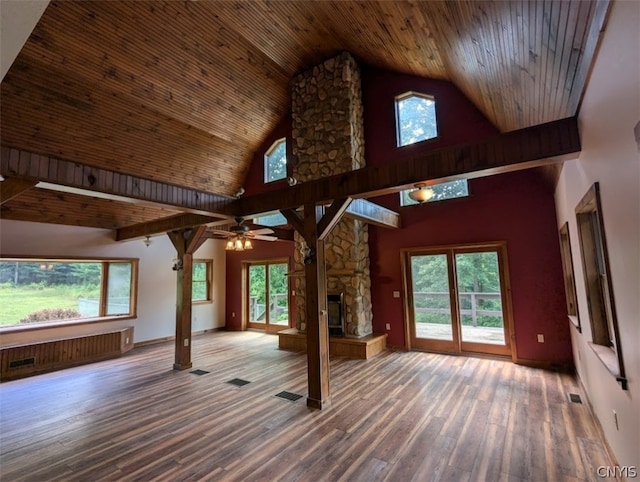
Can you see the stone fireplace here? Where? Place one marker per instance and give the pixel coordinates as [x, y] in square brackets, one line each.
[328, 138]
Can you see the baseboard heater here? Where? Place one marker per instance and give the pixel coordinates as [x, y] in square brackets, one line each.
[19, 361]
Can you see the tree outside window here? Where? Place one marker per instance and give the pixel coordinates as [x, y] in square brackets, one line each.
[275, 161]
[201, 280]
[415, 118]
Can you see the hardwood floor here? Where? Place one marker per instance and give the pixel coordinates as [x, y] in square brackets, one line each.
[399, 416]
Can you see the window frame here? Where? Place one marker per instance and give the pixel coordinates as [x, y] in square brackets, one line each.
[432, 200]
[266, 174]
[569, 276]
[605, 333]
[406, 95]
[102, 303]
[208, 281]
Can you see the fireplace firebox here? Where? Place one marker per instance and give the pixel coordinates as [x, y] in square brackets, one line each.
[335, 310]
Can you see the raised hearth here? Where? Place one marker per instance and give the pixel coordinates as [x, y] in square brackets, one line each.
[362, 348]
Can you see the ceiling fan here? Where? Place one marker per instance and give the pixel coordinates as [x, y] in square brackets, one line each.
[239, 235]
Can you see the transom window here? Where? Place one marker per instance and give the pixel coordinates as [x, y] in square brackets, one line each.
[275, 161]
[201, 280]
[273, 219]
[441, 192]
[39, 291]
[415, 118]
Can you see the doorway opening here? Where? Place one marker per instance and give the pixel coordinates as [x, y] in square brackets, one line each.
[457, 299]
[267, 295]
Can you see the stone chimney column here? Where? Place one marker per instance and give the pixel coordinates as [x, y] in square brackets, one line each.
[328, 138]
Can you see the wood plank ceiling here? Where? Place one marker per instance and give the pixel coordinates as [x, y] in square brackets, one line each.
[185, 92]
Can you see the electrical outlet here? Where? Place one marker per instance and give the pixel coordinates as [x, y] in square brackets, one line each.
[540, 338]
[615, 419]
[388, 326]
[396, 294]
[186, 342]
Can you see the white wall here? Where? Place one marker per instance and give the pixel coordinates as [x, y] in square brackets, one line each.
[156, 280]
[608, 116]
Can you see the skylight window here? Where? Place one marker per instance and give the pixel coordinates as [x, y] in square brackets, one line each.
[441, 192]
[415, 118]
[275, 161]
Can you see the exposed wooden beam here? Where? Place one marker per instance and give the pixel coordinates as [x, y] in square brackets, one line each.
[332, 216]
[522, 149]
[373, 213]
[315, 272]
[186, 242]
[164, 225]
[25, 165]
[12, 187]
[294, 219]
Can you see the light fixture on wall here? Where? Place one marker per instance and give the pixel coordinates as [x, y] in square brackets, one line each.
[239, 243]
[147, 241]
[421, 194]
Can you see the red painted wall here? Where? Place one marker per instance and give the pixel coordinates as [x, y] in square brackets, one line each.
[517, 208]
[262, 251]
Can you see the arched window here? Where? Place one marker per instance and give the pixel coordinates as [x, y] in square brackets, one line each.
[415, 118]
[275, 161]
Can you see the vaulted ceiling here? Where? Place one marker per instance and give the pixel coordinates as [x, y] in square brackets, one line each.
[185, 92]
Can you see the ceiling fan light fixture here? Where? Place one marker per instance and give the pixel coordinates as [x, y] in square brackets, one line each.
[421, 194]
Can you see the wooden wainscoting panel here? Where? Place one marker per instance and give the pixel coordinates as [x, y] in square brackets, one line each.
[31, 359]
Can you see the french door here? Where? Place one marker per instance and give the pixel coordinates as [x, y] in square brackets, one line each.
[267, 295]
[457, 299]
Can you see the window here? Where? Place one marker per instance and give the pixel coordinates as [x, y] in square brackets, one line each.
[569, 278]
[39, 291]
[275, 219]
[415, 118]
[441, 192]
[597, 274]
[201, 280]
[275, 161]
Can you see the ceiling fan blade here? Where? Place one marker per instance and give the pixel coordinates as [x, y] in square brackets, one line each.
[260, 231]
[264, 238]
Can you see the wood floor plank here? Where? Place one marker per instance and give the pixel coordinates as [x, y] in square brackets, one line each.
[399, 416]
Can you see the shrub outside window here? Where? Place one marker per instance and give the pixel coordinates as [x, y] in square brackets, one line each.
[201, 280]
[415, 118]
[36, 291]
[275, 161]
[441, 192]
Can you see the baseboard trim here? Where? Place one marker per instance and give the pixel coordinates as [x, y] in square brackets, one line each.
[564, 367]
[155, 341]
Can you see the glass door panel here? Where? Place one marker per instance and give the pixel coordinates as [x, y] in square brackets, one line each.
[432, 317]
[278, 295]
[479, 298]
[257, 294]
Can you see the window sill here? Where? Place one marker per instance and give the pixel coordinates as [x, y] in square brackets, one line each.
[609, 359]
[61, 324]
[575, 321]
[202, 302]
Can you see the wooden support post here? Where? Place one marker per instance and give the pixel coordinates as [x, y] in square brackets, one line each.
[186, 241]
[314, 227]
[315, 272]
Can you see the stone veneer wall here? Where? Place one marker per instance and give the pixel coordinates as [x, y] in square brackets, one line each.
[328, 138]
